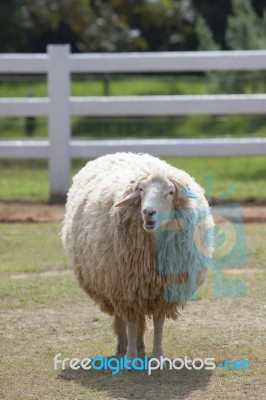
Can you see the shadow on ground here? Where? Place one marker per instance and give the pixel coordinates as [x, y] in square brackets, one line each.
[160, 385]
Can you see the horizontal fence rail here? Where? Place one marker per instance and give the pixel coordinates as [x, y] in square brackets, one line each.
[240, 60]
[168, 105]
[59, 106]
[34, 149]
[23, 64]
[21, 107]
[141, 106]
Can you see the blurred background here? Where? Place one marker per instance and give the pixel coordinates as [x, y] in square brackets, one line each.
[28, 26]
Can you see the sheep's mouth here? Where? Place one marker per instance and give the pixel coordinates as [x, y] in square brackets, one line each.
[150, 225]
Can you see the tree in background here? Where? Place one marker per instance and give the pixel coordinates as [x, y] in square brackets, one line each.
[215, 14]
[205, 35]
[245, 30]
[29, 25]
[12, 26]
[128, 25]
[107, 29]
[162, 24]
[97, 25]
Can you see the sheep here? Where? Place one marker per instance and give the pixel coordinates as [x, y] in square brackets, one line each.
[135, 232]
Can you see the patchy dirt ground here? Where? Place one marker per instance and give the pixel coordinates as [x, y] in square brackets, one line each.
[41, 212]
[43, 312]
[31, 212]
[219, 328]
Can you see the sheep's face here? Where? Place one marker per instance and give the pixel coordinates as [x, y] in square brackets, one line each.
[156, 196]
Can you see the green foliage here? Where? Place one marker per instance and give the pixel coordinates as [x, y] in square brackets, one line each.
[215, 14]
[205, 35]
[28, 25]
[118, 25]
[107, 31]
[96, 25]
[245, 30]
[121, 25]
[13, 26]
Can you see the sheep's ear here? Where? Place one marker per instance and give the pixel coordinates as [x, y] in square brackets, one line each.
[182, 194]
[128, 200]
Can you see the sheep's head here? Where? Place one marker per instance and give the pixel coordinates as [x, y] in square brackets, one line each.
[154, 195]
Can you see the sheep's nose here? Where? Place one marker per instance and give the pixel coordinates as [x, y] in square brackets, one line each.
[149, 212]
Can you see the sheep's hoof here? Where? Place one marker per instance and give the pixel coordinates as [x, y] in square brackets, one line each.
[141, 349]
[156, 355]
[133, 364]
[131, 355]
[157, 364]
[120, 351]
[119, 355]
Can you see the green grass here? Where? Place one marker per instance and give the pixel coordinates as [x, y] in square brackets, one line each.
[29, 248]
[24, 180]
[23, 86]
[43, 312]
[235, 178]
[181, 126]
[121, 85]
[143, 127]
[15, 128]
[32, 291]
[238, 178]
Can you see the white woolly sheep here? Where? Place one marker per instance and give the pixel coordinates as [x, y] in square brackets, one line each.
[137, 232]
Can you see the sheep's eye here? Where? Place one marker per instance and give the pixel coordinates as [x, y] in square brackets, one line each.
[140, 189]
[171, 193]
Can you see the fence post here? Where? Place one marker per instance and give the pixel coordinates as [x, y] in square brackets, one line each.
[59, 121]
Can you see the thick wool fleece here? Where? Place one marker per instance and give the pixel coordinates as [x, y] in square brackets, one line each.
[120, 266]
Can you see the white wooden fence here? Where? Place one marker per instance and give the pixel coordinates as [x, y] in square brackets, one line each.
[58, 64]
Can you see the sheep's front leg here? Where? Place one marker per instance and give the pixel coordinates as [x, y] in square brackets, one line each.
[141, 331]
[120, 331]
[132, 334]
[158, 322]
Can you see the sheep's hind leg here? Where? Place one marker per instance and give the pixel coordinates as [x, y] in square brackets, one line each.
[157, 350]
[132, 334]
[121, 333]
[140, 337]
